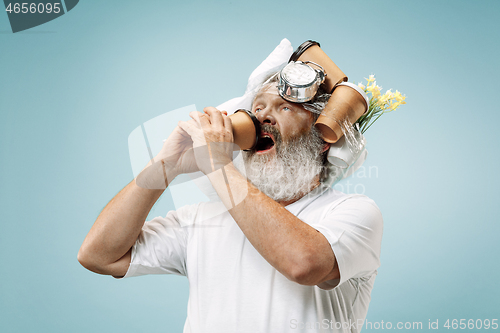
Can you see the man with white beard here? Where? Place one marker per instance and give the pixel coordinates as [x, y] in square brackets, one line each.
[291, 256]
[293, 169]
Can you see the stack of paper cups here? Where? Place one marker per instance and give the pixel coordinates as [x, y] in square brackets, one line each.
[333, 74]
[347, 103]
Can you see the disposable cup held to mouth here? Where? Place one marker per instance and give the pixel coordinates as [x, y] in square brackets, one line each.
[245, 129]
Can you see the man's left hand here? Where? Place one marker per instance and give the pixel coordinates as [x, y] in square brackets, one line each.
[212, 136]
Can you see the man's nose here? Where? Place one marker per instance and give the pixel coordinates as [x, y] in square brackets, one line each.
[266, 117]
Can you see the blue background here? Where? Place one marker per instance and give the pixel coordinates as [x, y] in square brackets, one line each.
[73, 89]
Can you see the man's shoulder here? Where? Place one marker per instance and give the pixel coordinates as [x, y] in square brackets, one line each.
[330, 201]
[332, 197]
[353, 198]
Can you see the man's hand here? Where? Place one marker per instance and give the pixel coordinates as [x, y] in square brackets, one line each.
[177, 153]
[212, 138]
[176, 157]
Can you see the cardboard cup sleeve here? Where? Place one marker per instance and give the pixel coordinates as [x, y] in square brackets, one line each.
[246, 127]
[346, 104]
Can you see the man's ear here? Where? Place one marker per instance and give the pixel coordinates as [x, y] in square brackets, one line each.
[326, 145]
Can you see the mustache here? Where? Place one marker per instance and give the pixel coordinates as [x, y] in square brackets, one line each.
[278, 138]
[272, 130]
[291, 171]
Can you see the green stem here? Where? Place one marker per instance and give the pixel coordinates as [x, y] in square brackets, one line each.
[372, 122]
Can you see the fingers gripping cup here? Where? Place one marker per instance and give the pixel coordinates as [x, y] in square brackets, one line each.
[246, 128]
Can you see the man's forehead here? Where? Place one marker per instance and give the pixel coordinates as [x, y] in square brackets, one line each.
[270, 88]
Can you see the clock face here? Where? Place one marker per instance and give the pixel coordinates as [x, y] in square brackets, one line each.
[298, 74]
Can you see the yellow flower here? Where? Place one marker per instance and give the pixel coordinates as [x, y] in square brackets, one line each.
[383, 99]
[379, 103]
[373, 86]
[371, 78]
[394, 106]
[399, 97]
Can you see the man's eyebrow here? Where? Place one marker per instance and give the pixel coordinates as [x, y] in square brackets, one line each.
[260, 95]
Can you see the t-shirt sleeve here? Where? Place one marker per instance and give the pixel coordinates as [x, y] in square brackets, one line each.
[353, 228]
[160, 247]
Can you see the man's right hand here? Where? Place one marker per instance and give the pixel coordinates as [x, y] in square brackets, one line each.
[176, 157]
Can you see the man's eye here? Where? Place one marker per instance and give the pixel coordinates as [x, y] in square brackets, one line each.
[286, 109]
[258, 110]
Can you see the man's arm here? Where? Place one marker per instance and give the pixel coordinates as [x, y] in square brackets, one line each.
[107, 247]
[297, 250]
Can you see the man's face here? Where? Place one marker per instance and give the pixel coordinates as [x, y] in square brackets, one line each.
[287, 161]
[281, 119]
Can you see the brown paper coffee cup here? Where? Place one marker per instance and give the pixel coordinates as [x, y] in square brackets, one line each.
[333, 74]
[345, 104]
[246, 127]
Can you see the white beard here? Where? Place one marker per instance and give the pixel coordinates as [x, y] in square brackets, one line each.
[290, 173]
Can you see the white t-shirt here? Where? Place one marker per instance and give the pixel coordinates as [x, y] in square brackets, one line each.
[232, 288]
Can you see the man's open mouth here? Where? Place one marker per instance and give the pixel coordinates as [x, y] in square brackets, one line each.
[265, 143]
